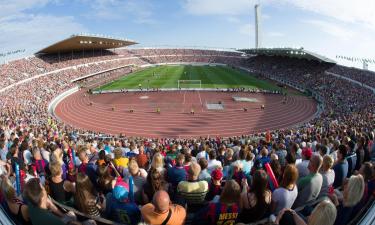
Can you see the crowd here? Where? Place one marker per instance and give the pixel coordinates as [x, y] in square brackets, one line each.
[362, 76]
[320, 173]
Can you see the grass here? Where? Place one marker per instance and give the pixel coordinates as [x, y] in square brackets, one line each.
[168, 76]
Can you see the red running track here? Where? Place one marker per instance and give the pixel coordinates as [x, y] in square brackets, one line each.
[175, 119]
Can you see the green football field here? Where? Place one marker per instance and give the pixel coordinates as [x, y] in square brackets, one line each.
[190, 77]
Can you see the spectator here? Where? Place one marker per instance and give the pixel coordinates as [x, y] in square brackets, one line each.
[310, 185]
[341, 167]
[256, 204]
[204, 175]
[119, 206]
[212, 162]
[286, 194]
[177, 173]
[86, 199]
[225, 211]
[155, 182]
[161, 211]
[302, 167]
[215, 185]
[192, 191]
[328, 175]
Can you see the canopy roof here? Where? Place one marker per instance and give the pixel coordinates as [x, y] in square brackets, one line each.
[289, 52]
[86, 42]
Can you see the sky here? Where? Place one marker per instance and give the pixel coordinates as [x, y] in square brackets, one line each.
[327, 27]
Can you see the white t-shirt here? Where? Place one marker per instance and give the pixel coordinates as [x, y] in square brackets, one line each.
[284, 198]
[302, 168]
[202, 154]
[328, 179]
[213, 164]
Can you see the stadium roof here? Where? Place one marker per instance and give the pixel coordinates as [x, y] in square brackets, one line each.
[86, 42]
[290, 52]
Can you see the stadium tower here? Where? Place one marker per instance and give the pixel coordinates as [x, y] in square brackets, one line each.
[257, 24]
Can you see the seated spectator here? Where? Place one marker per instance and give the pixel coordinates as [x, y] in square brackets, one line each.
[286, 194]
[340, 167]
[119, 206]
[139, 179]
[215, 185]
[302, 166]
[15, 205]
[310, 185]
[155, 182]
[161, 211]
[348, 198]
[41, 210]
[158, 163]
[255, 205]
[119, 160]
[177, 173]
[225, 210]
[106, 182]
[204, 175]
[192, 191]
[328, 175]
[86, 199]
[86, 167]
[324, 213]
[213, 163]
[142, 158]
[60, 190]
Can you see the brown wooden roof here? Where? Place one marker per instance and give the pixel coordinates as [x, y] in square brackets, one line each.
[83, 42]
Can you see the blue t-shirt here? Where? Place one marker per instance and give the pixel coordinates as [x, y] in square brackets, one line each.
[122, 212]
[341, 171]
[176, 174]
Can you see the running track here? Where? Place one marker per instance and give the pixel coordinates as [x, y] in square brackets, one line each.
[175, 119]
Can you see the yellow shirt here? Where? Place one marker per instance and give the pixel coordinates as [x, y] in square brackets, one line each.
[121, 162]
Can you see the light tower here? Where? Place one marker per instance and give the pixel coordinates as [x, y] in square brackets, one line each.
[257, 24]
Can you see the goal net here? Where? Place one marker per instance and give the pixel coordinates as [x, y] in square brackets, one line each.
[189, 84]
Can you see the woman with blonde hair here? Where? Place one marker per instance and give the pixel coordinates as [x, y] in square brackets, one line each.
[328, 175]
[346, 200]
[324, 213]
[158, 163]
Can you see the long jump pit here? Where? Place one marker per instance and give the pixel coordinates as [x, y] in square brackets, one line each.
[183, 114]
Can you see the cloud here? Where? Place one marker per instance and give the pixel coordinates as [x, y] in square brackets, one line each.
[333, 29]
[275, 34]
[33, 32]
[12, 7]
[139, 11]
[246, 29]
[219, 7]
[359, 11]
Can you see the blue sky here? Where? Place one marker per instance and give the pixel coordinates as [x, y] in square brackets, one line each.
[328, 27]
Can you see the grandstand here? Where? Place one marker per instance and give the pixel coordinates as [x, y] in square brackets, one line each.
[132, 154]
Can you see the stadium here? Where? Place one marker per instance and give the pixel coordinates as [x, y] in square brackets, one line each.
[95, 130]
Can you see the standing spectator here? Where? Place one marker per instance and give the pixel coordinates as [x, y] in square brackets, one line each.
[213, 163]
[155, 182]
[204, 175]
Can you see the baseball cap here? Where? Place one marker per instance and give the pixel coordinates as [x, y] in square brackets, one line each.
[217, 174]
[121, 190]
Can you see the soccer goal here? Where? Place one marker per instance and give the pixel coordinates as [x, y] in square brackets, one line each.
[189, 84]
